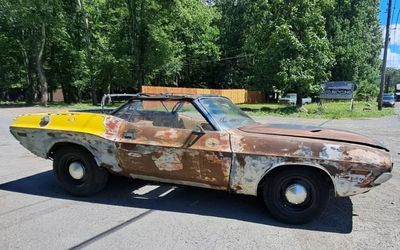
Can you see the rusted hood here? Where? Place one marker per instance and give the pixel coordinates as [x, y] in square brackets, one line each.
[312, 132]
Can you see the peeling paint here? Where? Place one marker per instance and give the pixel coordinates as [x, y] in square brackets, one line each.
[134, 155]
[112, 125]
[166, 134]
[256, 154]
[212, 143]
[352, 184]
[331, 151]
[40, 143]
[303, 150]
[168, 159]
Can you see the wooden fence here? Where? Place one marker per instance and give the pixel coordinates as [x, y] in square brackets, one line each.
[236, 95]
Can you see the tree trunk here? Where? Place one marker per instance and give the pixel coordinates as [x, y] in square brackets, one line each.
[142, 47]
[40, 71]
[131, 30]
[138, 37]
[29, 92]
[89, 56]
[299, 100]
[51, 96]
[64, 92]
[388, 82]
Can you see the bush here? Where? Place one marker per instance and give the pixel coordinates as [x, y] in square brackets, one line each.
[366, 91]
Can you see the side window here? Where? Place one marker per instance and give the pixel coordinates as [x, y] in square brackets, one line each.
[191, 117]
[126, 111]
[163, 113]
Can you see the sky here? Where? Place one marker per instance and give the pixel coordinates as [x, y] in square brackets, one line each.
[393, 59]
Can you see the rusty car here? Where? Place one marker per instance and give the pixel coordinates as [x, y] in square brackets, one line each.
[206, 141]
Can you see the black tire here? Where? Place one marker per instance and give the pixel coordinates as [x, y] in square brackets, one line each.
[94, 178]
[282, 209]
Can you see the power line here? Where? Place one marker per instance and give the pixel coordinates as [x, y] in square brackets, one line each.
[201, 57]
[395, 28]
[394, 9]
[221, 59]
[397, 19]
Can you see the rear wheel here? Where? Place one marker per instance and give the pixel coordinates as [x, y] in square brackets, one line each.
[296, 196]
[77, 171]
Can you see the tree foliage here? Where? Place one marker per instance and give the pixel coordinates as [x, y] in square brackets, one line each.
[289, 44]
[356, 39]
[89, 47]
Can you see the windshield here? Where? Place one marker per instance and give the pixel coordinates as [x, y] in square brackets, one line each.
[388, 97]
[225, 113]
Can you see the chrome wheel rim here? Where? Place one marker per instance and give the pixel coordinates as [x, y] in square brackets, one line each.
[76, 170]
[296, 194]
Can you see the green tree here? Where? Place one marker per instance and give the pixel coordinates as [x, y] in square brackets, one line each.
[355, 36]
[171, 39]
[289, 44]
[89, 47]
[392, 79]
[26, 24]
[366, 91]
[233, 70]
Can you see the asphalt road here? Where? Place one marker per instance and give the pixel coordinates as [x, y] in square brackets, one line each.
[36, 214]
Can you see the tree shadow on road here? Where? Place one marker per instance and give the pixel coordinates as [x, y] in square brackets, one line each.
[123, 191]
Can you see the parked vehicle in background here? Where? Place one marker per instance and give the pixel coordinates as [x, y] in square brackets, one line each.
[291, 98]
[306, 100]
[388, 100]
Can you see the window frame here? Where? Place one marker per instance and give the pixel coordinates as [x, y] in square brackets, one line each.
[194, 102]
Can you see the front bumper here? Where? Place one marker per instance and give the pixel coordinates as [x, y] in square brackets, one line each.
[353, 184]
[382, 178]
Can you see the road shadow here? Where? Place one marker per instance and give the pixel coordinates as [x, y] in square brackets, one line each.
[122, 191]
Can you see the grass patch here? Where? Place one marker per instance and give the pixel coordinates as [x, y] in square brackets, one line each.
[330, 110]
[62, 105]
[82, 105]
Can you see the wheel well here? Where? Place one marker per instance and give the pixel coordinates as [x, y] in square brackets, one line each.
[278, 169]
[59, 145]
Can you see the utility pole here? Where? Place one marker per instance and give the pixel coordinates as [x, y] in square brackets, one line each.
[388, 83]
[383, 70]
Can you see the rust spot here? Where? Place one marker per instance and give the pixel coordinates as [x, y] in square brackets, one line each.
[167, 159]
[112, 125]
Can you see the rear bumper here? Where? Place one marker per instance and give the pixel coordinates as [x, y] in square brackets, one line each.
[388, 104]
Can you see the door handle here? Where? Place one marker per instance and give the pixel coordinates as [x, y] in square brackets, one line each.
[130, 134]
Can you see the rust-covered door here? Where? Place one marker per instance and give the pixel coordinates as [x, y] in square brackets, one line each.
[216, 158]
[175, 154]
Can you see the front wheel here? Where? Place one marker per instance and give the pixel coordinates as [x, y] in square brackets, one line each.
[77, 171]
[296, 195]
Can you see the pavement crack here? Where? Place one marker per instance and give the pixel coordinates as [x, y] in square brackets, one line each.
[325, 122]
[30, 205]
[110, 231]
